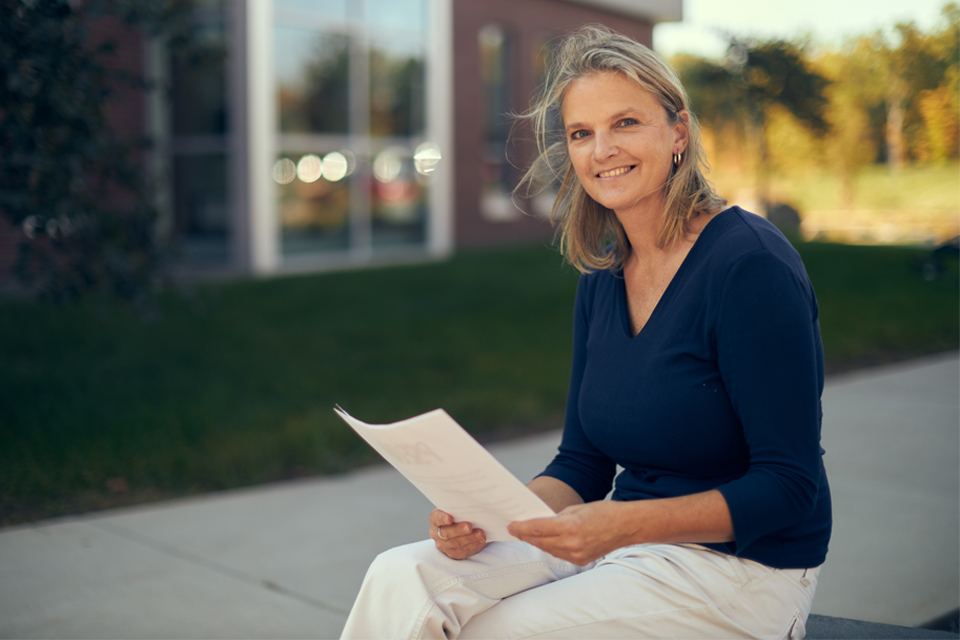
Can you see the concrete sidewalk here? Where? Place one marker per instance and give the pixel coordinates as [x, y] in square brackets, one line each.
[285, 560]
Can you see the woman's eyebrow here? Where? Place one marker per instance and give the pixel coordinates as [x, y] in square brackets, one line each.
[629, 111]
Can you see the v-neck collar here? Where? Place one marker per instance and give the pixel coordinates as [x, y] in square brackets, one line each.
[692, 255]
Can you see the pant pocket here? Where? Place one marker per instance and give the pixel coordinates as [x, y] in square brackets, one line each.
[797, 629]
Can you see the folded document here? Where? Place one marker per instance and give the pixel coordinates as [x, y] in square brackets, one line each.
[453, 471]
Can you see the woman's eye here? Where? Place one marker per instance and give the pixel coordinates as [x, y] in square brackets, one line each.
[626, 122]
[577, 135]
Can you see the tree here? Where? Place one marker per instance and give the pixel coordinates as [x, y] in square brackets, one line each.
[910, 68]
[856, 95]
[756, 77]
[939, 108]
[77, 192]
[920, 73]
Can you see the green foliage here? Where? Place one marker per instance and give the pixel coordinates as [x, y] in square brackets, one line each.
[939, 107]
[855, 138]
[756, 78]
[712, 94]
[236, 385]
[76, 190]
[777, 73]
[892, 96]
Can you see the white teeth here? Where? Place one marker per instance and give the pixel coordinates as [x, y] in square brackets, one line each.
[613, 172]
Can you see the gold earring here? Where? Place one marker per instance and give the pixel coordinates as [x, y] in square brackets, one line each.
[677, 158]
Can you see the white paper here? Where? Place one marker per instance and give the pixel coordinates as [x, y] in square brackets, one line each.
[453, 471]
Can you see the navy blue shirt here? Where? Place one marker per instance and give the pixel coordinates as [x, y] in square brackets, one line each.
[719, 390]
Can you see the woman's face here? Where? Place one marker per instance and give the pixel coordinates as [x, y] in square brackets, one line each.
[620, 142]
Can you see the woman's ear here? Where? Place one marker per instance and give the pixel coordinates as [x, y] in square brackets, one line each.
[681, 132]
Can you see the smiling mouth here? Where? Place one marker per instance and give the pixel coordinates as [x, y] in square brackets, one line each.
[613, 173]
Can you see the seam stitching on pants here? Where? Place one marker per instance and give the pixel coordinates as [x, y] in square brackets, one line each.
[418, 626]
[481, 575]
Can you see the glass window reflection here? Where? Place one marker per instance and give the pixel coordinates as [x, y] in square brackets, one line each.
[314, 207]
[409, 15]
[396, 91]
[351, 77]
[498, 175]
[198, 81]
[398, 199]
[295, 11]
[200, 206]
[313, 74]
[198, 126]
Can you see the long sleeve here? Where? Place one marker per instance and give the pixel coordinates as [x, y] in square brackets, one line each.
[720, 390]
[579, 462]
[770, 360]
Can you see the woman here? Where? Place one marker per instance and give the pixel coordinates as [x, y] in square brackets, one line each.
[697, 367]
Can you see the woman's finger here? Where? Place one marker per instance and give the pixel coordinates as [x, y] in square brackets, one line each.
[439, 518]
[458, 540]
[444, 528]
[451, 531]
[463, 546]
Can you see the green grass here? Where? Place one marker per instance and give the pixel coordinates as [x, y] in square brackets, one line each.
[876, 306]
[234, 385]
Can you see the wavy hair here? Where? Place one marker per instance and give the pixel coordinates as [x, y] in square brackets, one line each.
[585, 227]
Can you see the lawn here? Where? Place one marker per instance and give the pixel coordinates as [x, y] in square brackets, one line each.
[234, 384]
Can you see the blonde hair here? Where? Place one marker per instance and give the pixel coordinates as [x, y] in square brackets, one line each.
[585, 227]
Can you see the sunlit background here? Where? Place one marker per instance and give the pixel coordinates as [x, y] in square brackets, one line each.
[706, 23]
[361, 92]
[295, 135]
[885, 169]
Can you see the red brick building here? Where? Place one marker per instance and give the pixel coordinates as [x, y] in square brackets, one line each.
[324, 133]
[518, 36]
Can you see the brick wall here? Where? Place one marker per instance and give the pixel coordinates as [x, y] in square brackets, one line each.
[529, 22]
[125, 109]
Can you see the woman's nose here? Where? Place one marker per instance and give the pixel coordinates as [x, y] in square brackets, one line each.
[604, 146]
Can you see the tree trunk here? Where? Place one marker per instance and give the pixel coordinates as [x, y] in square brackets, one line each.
[847, 188]
[896, 146]
[763, 162]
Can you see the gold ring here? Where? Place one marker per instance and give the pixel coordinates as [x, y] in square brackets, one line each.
[440, 535]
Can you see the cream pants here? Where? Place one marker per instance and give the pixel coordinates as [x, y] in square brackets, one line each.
[514, 590]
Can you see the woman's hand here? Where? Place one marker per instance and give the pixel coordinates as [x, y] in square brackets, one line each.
[580, 534]
[456, 540]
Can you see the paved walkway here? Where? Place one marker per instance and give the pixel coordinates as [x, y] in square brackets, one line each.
[285, 560]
